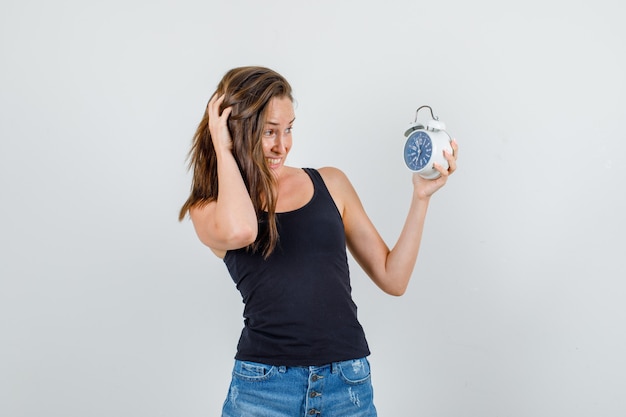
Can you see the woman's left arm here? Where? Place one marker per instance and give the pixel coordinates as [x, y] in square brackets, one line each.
[390, 269]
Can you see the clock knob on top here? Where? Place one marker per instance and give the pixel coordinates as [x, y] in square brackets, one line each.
[435, 124]
[425, 145]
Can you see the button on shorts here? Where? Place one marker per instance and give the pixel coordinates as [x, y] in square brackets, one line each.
[339, 389]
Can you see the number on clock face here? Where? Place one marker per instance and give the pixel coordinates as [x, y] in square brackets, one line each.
[418, 150]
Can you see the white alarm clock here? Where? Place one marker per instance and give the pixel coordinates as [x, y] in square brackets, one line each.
[425, 144]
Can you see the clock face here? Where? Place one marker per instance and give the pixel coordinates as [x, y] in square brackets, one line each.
[418, 150]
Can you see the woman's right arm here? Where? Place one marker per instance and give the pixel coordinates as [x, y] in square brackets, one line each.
[230, 221]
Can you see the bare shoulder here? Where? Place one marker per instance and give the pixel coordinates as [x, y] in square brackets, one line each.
[339, 186]
[332, 175]
[335, 179]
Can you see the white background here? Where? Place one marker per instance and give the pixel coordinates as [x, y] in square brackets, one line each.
[110, 307]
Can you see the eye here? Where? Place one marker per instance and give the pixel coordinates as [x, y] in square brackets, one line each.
[289, 129]
[268, 132]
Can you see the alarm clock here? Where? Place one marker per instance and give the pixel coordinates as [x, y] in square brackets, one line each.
[425, 144]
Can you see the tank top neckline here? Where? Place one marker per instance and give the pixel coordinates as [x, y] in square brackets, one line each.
[308, 203]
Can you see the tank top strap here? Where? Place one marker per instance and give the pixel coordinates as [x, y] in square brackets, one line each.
[318, 184]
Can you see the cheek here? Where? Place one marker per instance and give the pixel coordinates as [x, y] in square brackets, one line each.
[267, 145]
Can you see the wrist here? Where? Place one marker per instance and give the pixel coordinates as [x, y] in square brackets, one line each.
[421, 195]
[224, 152]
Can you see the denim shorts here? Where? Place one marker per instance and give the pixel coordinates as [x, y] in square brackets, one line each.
[340, 389]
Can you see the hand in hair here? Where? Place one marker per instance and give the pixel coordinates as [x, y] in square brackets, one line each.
[218, 124]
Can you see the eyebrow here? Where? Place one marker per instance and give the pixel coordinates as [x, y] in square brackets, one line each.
[269, 122]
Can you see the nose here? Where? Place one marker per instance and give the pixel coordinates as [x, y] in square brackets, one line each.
[279, 144]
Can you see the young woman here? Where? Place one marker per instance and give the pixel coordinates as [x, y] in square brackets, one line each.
[282, 233]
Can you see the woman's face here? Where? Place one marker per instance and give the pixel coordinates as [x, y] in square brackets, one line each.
[277, 132]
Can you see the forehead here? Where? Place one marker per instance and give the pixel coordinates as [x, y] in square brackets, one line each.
[280, 109]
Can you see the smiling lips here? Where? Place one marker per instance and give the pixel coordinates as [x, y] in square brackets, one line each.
[273, 161]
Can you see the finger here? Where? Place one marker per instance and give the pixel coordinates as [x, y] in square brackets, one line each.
[213, 98]
[452, 166]
[226, 113]
[210, 103]
[451, 162]
[451, 157]
[439, 168]
[214, 105]
[455, 148]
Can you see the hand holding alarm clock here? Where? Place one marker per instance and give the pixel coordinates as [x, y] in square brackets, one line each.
[425, 145]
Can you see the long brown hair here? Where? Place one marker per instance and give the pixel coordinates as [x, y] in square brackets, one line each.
[248, 90]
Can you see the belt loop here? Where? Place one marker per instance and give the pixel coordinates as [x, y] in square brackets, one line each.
[334, 367]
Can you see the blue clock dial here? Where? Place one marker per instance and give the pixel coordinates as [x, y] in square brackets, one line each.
[418, 150]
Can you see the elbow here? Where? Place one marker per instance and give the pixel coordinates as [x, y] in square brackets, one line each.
[391, 284]
[233, 238]
[243, 237]
[396, 292]
[395, 289]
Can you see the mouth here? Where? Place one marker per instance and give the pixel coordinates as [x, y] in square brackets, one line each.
[273, 161]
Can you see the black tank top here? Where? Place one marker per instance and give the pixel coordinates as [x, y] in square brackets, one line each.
[298, 305]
